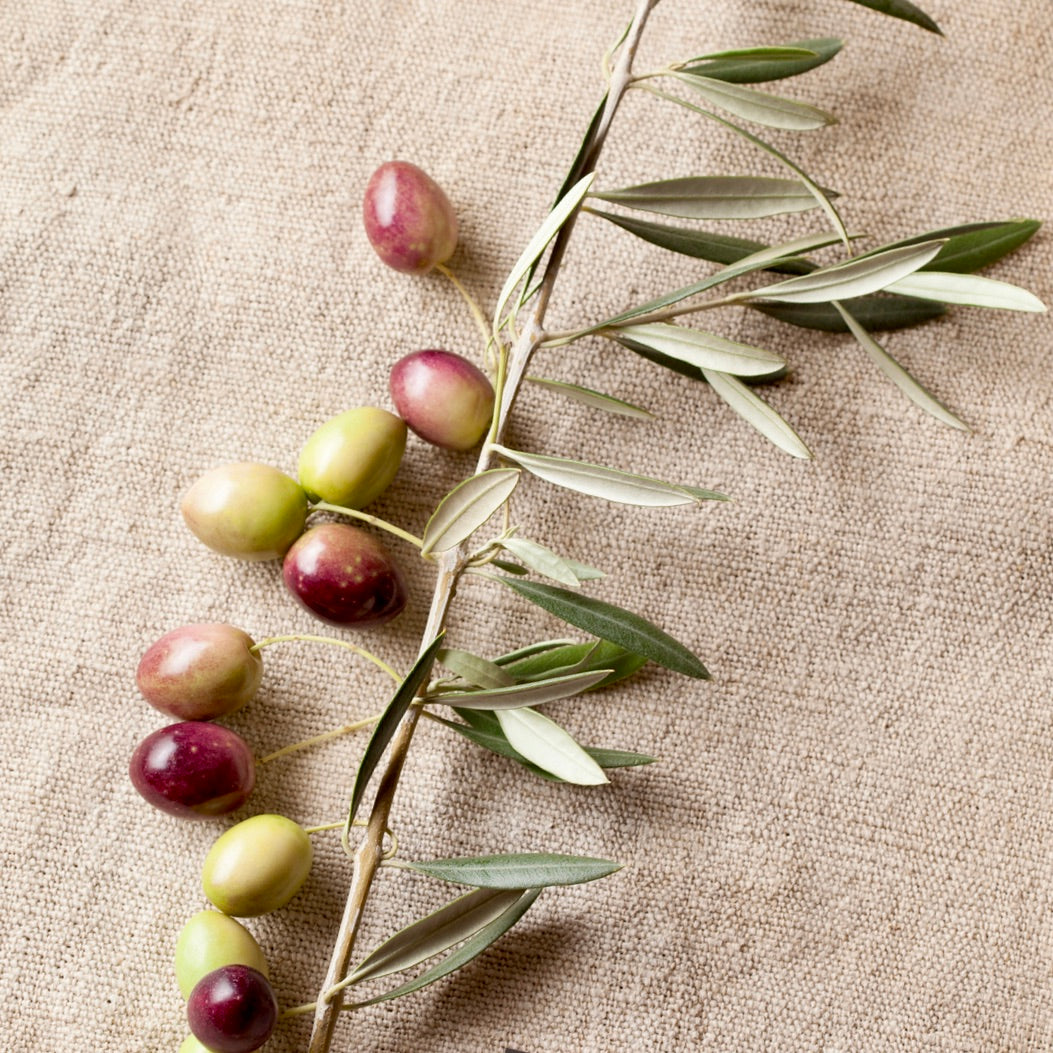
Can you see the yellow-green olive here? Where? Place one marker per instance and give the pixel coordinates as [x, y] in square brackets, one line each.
[352, 458]
[191, 1044]
[257, 866]
[210, 940]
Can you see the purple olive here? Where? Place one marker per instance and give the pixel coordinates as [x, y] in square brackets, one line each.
[200, 672]
[232, 1009]
[444, 398]
[344, 576]
[408, 219]
[193, 769]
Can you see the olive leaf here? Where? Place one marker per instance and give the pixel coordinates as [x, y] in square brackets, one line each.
[532, 650]
[474, 669]
[389, 722]
[567, 656]
[755, 411]
[754, 65]
[544, 743]
[595, 480]
[533, 693]
[715, 197]
[772, 111]
[969, 289]
[518, 870]
[703, 350]
[594, 399]
[969, 247]
[612, 623]
[542, 560]
[468, 950]
[877, 311]
[901, 9]
[467, 507]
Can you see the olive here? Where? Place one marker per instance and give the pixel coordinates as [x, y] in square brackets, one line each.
[247, 510]
[207, 941]
[257, 866]
[232, 1010]
[192, 1044]
[352, 458]
[199, 672]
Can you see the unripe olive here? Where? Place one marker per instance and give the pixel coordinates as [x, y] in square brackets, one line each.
[207, 941]
[191, 1044]
[352, 458]
[408, 219]
[200, 672]
[257, 866]
[249, 511]
[445, 399]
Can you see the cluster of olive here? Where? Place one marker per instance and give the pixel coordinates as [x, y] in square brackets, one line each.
[196, 768]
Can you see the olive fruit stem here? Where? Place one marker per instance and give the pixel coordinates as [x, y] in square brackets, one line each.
[473, 305]
[369, 854]
[317, 740]
[310, 638]
[380, 524]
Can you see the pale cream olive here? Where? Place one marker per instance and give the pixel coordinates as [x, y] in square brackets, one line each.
[249, 511]
[257, 866]
[352, 458]
[209, 940]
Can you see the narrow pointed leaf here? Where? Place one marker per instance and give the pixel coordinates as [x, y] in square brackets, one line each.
[715, 197]
[595, 480]
[577, 657]
[901, 9]
[438, 932]
[542, 560]
[466, 507]
[972, 290]
[531, 650]
[875, 312]
[474, 669]
[678, 365]
[772, 111]
[471, 948]
[855, 277]
[755, 411]
[610, 622]
[508, 567]
[583, 572]
[594, 399]
[972, 246]
[913, 389]
[755, 65]
[389, 721]
[540, 241]
[703, 350]
[544, 743]
[519, 870]
[534, 693]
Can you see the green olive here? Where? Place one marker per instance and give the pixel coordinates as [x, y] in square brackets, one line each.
[352, 458]
[257, 866]
[191, 1044]
[209, 940]
[249, 511]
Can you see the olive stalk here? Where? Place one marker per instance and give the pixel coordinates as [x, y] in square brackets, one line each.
[369, 854]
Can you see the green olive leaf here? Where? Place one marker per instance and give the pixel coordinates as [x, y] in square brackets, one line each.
[771, 111]
[542, 560]
[972, 246]
[468, 950]
[567, 656]
[703, 350]
[610, 622]
[467, 507]
[531, 650]
[595, 480]
[972, 290]
[474, 669]
[544, 743]
[755, 65]
[534, 693]
[901, 9]
[518, 870]
[755, 411]
[878, 312]
[594, 399]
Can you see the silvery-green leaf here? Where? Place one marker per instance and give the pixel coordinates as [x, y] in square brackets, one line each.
[971, 246]
[611, 484]
[518, 870]
[540, 241]
[594, 399]
[530, 650]
[612, 623]
[703, 350]
[438, 932]
[772, 111]
[901, 9]
[468, 950]
[854, 277]
[969, 289]
[715, 197]
[542, 560]
[754, 410]
[877, 312]
[577, 657]
[753, 65]
[583, 572]
[544, 743]
[389, 721]
[474, 669]
[466, 507]
[913, 389]
[535, 693]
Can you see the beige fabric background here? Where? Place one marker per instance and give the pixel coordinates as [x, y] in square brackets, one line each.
[847, 844]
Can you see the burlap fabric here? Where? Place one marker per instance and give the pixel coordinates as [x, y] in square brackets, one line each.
[846, 845]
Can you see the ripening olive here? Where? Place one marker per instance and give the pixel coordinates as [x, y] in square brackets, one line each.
[207, 941]
[200, 672]
[232, 1010]
[257, 866]
[408, 218]
[352, 458]
[249, 511]
[444, 398]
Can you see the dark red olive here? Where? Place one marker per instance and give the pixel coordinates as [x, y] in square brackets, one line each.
[232, 1009]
